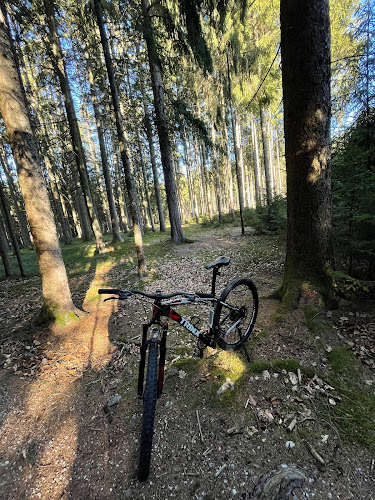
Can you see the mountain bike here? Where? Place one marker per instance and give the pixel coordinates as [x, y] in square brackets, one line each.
[231, 320]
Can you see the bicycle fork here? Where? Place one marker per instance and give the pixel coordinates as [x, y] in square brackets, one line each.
[142, 362]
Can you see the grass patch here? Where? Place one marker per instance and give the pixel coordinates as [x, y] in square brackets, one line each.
[354, 415]
[343, 361]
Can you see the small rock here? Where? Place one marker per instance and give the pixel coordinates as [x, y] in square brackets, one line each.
[172, 372]
[228, 384]
[250, 431]
[332, 401]
[293, 378]
[182, 374]
[290, 444]
[114, 400]
[325, 438]
[266, 375]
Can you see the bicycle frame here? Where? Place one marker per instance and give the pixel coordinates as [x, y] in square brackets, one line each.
[163, 309]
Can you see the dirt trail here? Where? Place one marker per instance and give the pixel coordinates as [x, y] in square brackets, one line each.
[59, 438]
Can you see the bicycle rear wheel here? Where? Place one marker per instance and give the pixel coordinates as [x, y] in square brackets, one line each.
[235, 314]
[149, 406]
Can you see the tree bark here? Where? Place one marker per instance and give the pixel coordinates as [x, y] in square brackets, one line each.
[59, 65]
[115, 229]
[4, 250]
[257, 173]
[306, 74]
[236, 151]
[17, 208]
[217, 173]
[266, 155]
[149, 134]
[55, 288]
[129, 179]
[145, 182]
[162, 125]
[11, 230]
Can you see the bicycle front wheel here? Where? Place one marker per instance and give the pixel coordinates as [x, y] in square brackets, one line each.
[149, 407]
[235, 314]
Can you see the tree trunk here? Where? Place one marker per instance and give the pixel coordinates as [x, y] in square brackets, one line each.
[217, 173]
[115, 229]
[145, 182]
[129, 179]
[162, 125]
[236, 151]
[10, 226]
[59, 66]
[306, 74]
[257, 173]
[17, 208]
[66, 236]
[56, 293]
[149, 134]
[121, 198]
[266, 156]
[4, 250]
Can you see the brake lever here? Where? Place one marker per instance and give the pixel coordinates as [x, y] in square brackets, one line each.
[190, 297]
[110, 298]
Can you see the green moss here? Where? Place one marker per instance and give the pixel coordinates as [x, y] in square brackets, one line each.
[314, 320]
[354, 414]
[354, 417]
[184, 350]
[277, 365]
[343, 361]
[259, 366]
[290, 365]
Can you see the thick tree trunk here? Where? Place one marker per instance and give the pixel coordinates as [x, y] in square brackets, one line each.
[129, 178]
[162, 125]
[306, 73]
[56, 293]
[59, 65]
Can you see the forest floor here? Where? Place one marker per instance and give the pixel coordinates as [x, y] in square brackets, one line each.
[306, 400]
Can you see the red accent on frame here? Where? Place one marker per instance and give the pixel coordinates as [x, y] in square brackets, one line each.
[174, 315]
[161, 378]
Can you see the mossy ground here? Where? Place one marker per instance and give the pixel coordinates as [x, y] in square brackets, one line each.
[354, 416]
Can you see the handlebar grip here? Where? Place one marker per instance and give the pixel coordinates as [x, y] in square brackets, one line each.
[109, 290]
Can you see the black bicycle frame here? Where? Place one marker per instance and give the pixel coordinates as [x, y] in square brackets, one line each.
[160, 311]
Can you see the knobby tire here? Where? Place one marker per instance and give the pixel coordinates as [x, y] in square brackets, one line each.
[149, 406]
[222, 312]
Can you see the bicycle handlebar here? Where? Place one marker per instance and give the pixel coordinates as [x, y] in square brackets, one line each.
[124, 294]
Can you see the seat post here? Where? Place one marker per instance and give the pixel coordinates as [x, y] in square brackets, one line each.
[215, 273]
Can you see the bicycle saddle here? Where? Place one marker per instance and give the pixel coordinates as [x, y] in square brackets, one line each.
[220, 261]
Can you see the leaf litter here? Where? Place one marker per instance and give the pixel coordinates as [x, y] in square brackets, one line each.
[228, 447]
